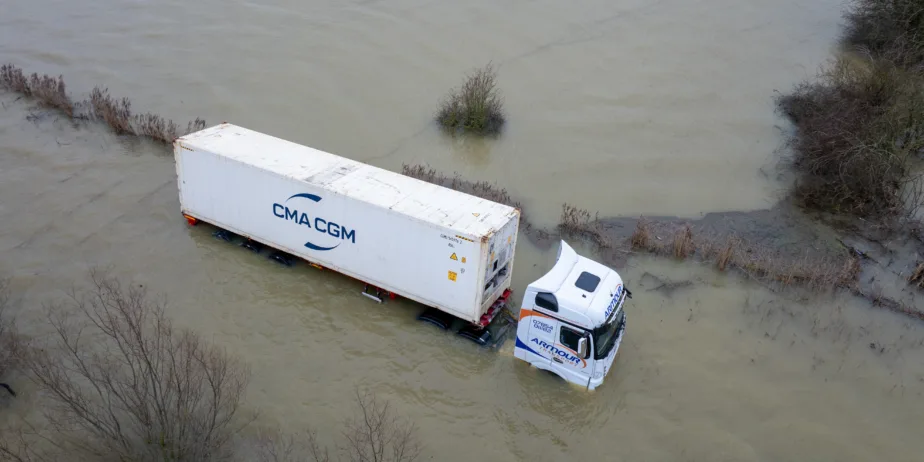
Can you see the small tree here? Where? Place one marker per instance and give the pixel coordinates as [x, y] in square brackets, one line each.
[375, 434]
[124, 384]
[476, 107]
[378, 435]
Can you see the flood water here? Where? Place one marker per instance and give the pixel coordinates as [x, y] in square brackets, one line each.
[654, 107]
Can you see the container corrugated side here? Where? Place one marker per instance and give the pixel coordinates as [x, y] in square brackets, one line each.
[433, 265]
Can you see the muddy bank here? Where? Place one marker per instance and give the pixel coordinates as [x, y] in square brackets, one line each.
[783, 228]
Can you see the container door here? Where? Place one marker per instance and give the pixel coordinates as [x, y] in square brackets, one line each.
[567, 359]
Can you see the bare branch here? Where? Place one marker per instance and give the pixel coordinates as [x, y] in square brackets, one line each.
[377, 435]
[124, 383]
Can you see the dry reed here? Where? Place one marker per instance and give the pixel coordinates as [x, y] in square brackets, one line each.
[917, 276]
[641, 237]
[481, 189]
[578, 222]
[51, 93]
[683, 243]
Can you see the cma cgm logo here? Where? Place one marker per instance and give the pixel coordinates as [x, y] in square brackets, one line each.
[563, 353]
[300, 217]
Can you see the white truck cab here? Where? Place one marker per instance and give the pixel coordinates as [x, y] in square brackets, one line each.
[572, 319]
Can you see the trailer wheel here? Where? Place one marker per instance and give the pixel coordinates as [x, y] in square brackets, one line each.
[282, 258]
[252, 245]
[223, 234]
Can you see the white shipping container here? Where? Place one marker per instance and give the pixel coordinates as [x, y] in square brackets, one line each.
[440, 247]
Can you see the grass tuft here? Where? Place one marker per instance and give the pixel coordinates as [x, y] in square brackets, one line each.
[578, 222]
[683, 242]
[728, 253]
[476, 107]
[641, 237]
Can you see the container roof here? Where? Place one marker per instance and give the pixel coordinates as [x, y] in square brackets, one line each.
[441, 206]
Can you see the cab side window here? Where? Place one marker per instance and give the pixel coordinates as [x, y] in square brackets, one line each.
[569, 338]
[547, 301]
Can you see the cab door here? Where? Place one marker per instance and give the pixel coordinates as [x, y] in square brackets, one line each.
[535, 336]
[571, 354]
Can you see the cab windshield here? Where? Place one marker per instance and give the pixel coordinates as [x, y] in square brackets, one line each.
[605, 335]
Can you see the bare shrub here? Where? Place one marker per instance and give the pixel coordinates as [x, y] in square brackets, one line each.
[887, 28]
[117, 113]
[275, 445]
[378, 435]
[163, 130]
[374, 434]
[51, 93]
[575, 221]
[13, 79]
[123, 383]
[156, 127]
[195, 125]
[858, 131]
[476, 107]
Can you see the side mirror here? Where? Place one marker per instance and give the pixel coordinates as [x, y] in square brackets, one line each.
[582, 347]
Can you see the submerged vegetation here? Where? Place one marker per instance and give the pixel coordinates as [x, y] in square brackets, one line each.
[475, 107]
[50, 93]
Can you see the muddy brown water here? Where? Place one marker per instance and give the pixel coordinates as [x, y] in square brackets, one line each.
[657, 107]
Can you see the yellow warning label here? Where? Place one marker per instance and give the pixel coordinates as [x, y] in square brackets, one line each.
[454, 257]
[463, 259]
[452, 276]
[476, 214]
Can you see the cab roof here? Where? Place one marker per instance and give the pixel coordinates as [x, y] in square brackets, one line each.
[583, 288]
